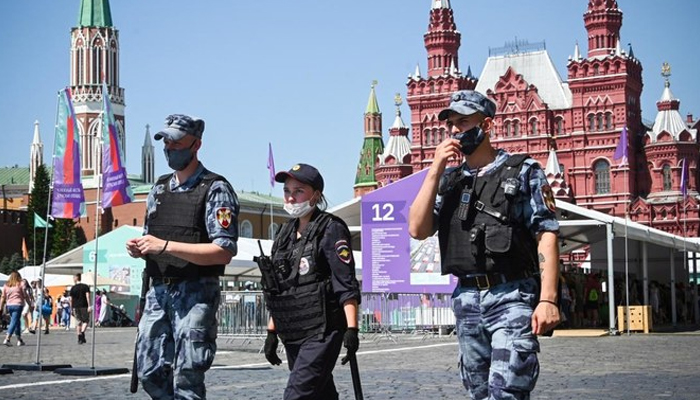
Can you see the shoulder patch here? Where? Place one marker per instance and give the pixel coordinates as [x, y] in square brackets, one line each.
[548, 198]
[342, 250]
[223, 217]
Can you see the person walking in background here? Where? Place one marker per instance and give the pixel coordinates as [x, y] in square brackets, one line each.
[66, 311]
[592, 295]
[104, 309]
[14, 296]
[28, 308]
[98, 306]
[496, 223]
[80, 304]
[46, 309]
[314, 308]
[190, 234]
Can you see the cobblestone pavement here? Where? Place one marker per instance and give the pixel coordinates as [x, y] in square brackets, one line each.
[404, 366]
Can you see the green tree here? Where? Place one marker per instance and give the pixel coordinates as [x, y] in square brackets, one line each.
[38, 203]
[16, 262]
[63, 236]
[5, 266]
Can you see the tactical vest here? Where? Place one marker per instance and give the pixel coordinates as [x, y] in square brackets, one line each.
[180, 217]
[306, 304]
[476, 232]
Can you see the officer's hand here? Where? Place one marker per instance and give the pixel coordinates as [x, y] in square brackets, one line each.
[351, 342]
[544, 318]
[149, 244]
[446, 150]
[270, 348]
[132, 248]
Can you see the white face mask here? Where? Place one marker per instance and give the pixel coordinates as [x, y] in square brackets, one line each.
[298, 210]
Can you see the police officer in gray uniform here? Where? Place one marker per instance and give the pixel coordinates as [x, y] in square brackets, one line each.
[190, 234]
[495, 217]
[312, 294]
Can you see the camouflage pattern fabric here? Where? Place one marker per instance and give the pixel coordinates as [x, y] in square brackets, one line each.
[177, 338]
[497, 349]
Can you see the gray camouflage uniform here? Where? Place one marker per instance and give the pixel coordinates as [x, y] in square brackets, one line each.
[498, 350]
[177, 331]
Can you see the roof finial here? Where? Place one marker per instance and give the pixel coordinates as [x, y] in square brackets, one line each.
[441, 4]
[666, 73]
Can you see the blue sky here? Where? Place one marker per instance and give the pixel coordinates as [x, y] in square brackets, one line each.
[297, 73]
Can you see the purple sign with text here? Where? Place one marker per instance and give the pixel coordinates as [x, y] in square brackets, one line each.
[391, 260]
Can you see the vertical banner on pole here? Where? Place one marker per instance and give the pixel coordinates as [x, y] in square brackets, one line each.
[68, 197]
[115, 185]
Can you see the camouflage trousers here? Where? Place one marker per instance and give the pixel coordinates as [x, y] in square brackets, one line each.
[177, 338]
[498, 351]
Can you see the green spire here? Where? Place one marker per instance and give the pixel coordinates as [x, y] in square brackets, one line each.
[372, 104]
[95, 13]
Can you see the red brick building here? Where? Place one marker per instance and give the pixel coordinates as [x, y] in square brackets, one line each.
[571, 127]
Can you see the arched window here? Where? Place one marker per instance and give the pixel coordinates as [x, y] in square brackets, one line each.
[608, 121]
[427, 137]
[516, 128]
[666, 173]
[560, 126]
[591, 123]
[602, 177]
[533, 126]
[600, 122]
[272, 230]
[246, 229]
[507, 128]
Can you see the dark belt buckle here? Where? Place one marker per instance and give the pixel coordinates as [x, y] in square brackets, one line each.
[482, 282]
[169, 281]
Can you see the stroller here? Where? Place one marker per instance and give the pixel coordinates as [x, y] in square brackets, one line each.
[118, 318]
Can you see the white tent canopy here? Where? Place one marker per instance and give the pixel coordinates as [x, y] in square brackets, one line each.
[605, 234]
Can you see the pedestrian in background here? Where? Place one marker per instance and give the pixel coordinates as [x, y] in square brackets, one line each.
[80, 304]
[14, 296]
[314, 311]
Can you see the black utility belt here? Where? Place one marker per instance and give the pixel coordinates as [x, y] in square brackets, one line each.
[485, 281]
[174, 280]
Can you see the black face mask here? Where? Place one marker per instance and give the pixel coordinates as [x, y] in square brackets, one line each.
[471, 139]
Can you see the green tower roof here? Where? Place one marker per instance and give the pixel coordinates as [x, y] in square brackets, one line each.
[95, 13]
[372, 104]
[371, 148]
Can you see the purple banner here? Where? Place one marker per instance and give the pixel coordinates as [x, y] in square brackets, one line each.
[67, 194]
[391, 260]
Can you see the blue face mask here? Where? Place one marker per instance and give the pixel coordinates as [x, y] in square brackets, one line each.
[179, 159]
[471, 139]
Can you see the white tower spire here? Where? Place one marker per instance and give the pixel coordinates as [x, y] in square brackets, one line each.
[36, 155]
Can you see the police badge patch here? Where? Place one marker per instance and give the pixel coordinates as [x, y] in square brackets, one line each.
[223, 217]
[548, 198]
[303, 266]
[343, 251]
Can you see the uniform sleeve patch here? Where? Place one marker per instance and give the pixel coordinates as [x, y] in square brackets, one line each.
[223, 217]
[548, 198]
[342, 250]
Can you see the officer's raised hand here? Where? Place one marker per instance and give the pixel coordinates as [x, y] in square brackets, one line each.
[351, 341]
[270, 348]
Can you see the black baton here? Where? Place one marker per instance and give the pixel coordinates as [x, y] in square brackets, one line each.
[355, 372]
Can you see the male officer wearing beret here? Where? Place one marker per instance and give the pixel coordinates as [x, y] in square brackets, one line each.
[190, 234]
[496, 225]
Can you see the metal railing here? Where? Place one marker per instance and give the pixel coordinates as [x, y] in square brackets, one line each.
[244, 314]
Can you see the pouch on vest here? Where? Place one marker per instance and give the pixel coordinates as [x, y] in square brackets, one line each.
[498, 238]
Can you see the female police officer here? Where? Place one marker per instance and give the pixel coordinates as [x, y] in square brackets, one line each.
[313, 306]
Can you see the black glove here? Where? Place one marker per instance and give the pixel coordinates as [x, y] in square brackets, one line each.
[270, 348]
[351, 342]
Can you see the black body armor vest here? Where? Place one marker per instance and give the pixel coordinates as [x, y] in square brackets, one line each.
[305, 304]
[476, 232]
[179, 216]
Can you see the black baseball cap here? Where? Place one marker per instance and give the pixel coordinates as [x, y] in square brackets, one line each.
[304, 173]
